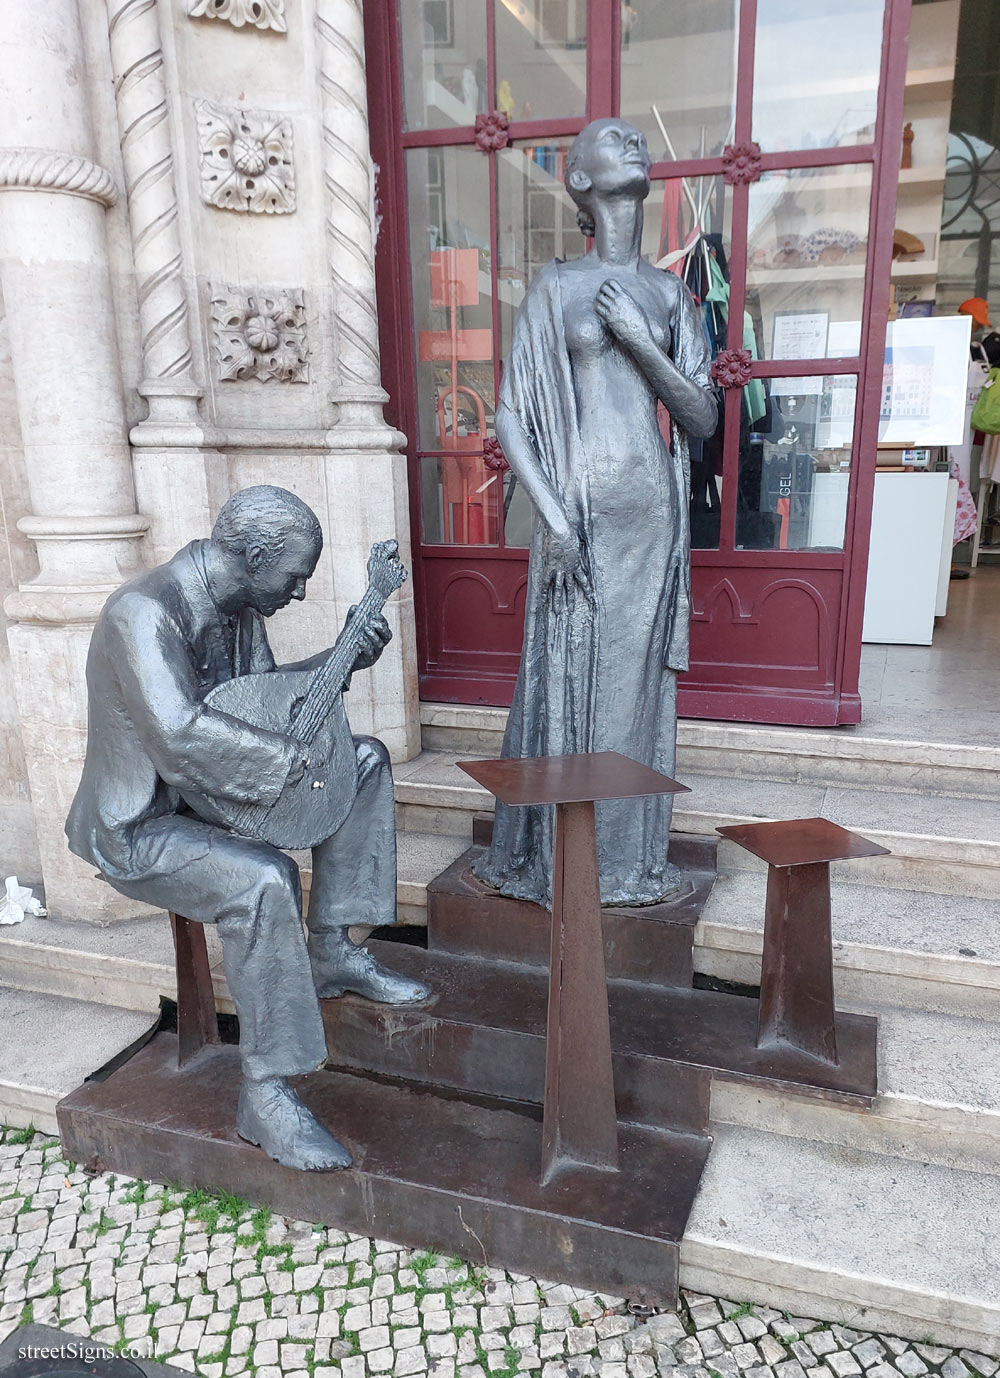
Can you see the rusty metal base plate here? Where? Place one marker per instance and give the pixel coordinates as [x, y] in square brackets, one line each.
[433, 1170]
[484, 1029]
[650, 942]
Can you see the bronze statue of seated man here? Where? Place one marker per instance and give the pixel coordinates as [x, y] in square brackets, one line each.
[164, 640]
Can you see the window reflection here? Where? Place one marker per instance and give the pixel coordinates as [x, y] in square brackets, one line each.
[678, 75]
[687, 231]
[443, 43]
[541, 58]
[448, 194]
[827, 94]
[807, 233]
[536, 221]
[795, 463]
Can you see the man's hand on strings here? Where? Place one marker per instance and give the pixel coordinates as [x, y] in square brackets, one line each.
[374, 639]
[298, 768]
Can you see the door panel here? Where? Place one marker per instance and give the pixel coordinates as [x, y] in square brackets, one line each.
[775, 128]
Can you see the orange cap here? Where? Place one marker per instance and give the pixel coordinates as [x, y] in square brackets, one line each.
[976, 308]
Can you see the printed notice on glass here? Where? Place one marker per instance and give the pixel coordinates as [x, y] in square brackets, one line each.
[924, 381]
[799, 335]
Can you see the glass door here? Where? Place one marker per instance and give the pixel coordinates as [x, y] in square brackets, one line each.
[775, 133]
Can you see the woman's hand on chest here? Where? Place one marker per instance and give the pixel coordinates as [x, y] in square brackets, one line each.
[626, 315]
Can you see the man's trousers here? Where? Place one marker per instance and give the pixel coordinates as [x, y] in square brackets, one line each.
[251, 892]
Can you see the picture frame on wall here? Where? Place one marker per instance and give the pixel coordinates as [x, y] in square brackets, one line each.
[439, 22]
[916, 310]
[560, 23]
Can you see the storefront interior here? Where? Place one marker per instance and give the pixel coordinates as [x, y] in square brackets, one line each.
[849, 206]
[949, 197]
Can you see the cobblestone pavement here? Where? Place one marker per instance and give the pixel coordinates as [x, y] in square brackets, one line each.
[213, 1286]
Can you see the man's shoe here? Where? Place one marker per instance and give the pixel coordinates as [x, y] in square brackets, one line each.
[271, 1115]
[341, 966]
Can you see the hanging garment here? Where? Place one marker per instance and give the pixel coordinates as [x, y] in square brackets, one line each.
[979, 371]
[965, 512]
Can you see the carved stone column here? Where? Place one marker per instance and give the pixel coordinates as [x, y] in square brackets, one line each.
[172, 463]
[365, 460]
[67, 379]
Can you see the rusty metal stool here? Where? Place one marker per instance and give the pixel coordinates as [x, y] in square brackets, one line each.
[579, 1124]
[197, 1023]
[796, 979]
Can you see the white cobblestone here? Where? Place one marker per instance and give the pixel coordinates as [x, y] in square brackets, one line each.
[292, 1299]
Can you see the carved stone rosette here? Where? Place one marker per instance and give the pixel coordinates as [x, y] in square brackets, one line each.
[260, 334]
[491, 131]
[246, 159]
[493, 455]
[262, 14]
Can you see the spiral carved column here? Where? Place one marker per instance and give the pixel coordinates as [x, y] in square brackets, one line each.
[144, 129]
[171, 461]
[83, 522]
[347, 170]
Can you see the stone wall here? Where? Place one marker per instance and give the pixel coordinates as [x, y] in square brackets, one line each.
[192, 219]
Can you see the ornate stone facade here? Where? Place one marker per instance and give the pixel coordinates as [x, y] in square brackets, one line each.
[147, 156]
[246, 159]
[262, 14]
[124, 264]
[347, 174]
[260, 334]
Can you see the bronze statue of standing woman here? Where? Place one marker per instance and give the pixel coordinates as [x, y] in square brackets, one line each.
[598, 343]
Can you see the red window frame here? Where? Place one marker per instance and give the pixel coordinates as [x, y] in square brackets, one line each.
[740, 687]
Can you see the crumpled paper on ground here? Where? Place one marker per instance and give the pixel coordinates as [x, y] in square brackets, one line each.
[18, 902]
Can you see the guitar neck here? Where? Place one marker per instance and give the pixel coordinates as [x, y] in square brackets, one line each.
[332, 675]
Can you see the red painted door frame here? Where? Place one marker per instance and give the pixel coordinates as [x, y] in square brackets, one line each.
[469, 600]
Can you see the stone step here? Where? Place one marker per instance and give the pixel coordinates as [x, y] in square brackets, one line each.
[910, 948]
[891, 947]
[485, 1033]
[131, 963]
[948, 844]
[901, 1247]
[938, 1096]
[920, 760]
[49, 1045]
[938, 1078]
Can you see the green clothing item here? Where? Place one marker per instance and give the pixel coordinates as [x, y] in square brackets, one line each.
[753, 392]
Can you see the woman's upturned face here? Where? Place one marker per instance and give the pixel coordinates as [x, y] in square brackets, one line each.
[615, 157]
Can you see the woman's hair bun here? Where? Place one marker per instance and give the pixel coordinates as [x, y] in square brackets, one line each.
[586, 222]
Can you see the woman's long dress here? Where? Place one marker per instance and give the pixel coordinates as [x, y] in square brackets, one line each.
[600, 674]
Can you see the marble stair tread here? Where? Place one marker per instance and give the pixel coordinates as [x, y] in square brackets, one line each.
[842, 1234]
[942, 1059]
[895, 931]
[50, 1044]
[421, 857]
[954, 823]
[966, 740]
[938, 1100]
[131, 963]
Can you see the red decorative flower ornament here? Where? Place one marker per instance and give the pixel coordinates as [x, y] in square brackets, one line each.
[731, 367]
[491, 131]
[741, 163]
[493, 455]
